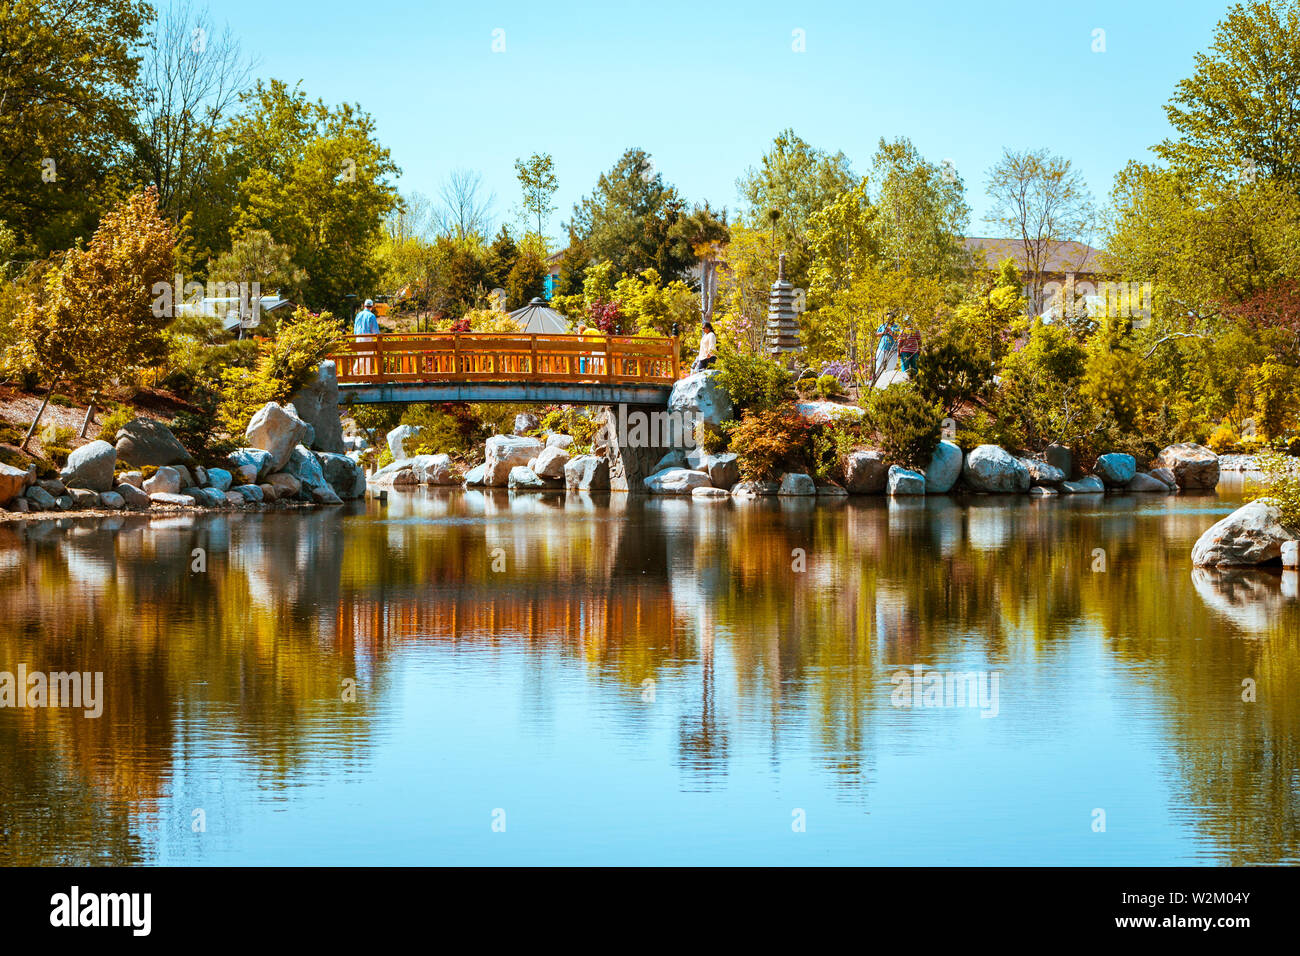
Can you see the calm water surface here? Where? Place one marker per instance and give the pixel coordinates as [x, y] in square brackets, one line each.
[651, 681]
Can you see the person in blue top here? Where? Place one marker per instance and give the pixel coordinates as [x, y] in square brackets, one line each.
[366, 322]
[887, 349]
[365, 325]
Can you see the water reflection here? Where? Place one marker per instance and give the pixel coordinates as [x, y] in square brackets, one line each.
[634, 657]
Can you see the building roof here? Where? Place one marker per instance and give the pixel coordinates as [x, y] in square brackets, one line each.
[540, 319]
[1068, 256]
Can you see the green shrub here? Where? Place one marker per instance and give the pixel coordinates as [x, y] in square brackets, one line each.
[197, 431]
[769, 442]
[977, 428]
[58, 454]
[1281, 484]
[828, 386]
[283, 367]
[113, 421]
[57, 441]
[952, 371]
[755, 383]
[830, 446]
[710, 439]
[577, 423]
[498, 418]
[62, 401]
[14, 458]
[907, 427]
[444, 429]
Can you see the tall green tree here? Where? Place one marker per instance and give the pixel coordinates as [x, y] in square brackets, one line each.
[1238, 116]
[103, 311]
[573, 269]
[921, 212]
[792, 180]
[318, 181]
[527, 279]
[629, 217]
[501, 257]
[67, 72]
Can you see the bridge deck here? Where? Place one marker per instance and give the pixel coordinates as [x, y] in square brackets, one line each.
[507, 367]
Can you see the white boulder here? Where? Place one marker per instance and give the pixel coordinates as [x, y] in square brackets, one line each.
[1194, 466]
[91, 467]
[699, 397]
[676, 481]
[905, 481]
[1115, 470]
[866, 473]
[277, 430]
[996, 471]
[1253, 534]
[505, 452]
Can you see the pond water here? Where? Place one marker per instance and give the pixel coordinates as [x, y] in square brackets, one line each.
[461, 677]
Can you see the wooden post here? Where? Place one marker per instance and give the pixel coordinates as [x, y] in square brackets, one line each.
[677, 362]
[532, 368]
[455, 355]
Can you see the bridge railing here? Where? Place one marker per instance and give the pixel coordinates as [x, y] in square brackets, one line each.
[507, 357]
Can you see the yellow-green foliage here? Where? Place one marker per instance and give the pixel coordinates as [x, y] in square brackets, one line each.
[447, 429]
[1282, 485]
[284, 366]
[651, 308]
[576, 423]
[711, 439]
[114, 420]
[752, 380]
[96, 314]
[483, 320]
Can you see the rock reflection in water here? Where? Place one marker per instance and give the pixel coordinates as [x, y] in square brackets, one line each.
[649, 662]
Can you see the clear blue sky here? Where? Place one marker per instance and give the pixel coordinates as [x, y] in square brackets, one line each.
[704, 86]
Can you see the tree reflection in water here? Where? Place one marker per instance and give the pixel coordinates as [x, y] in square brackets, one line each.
[663, 605]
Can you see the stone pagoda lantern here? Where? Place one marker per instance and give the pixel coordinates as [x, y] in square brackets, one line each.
[782, 320]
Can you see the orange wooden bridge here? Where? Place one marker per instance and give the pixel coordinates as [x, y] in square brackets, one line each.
[507, 367]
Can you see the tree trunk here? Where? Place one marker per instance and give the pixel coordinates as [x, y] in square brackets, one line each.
[37, 420]
[90, 414]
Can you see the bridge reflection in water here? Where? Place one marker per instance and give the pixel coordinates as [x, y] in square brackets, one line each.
[223, 686]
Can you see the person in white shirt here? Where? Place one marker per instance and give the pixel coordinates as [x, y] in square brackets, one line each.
[708, 349]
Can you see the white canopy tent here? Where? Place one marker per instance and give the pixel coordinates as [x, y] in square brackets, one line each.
[540, 319]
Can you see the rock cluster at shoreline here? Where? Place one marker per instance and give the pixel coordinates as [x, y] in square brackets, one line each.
[148, 469]
[524, 462]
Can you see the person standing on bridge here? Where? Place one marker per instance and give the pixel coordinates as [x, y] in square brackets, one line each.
[365, 325]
